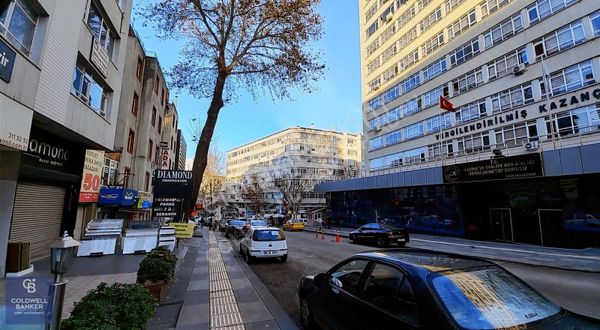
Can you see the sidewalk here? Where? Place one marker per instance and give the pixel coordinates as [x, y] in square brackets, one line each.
[217, 290]
[570, 259]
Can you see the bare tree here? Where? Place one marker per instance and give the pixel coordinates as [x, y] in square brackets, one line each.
[293, 187]
[254, 192]
[256, 45]
[347, 170]
[213, 179]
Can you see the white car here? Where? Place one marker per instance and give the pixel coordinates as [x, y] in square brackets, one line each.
[264, 242]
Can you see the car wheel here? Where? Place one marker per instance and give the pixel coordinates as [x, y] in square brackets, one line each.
[284, 258]
[248, 257]
[381, 242]
[306, 317]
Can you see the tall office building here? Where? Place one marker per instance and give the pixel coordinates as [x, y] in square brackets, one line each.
[311, 154]
[513, 159]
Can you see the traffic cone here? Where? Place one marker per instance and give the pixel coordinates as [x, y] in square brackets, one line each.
[337, 236]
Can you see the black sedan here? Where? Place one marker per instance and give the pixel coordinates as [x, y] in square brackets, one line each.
[380, 234]
[408, 288]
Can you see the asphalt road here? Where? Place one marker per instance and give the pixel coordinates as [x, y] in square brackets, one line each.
[574, 290]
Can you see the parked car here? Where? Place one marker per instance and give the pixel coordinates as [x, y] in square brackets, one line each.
[264, 242]
[236, 228]
[294, 224]
[407, 288]
[380, 234]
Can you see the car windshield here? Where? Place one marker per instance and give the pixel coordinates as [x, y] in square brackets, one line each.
[490, 298]
[258, 223]
[268, 235]
[390, 227]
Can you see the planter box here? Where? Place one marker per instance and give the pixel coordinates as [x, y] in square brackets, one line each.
[158, 290]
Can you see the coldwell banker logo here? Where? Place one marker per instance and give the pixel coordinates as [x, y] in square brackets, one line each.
[27, 300]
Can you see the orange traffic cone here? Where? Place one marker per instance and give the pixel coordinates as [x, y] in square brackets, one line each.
[337, 236]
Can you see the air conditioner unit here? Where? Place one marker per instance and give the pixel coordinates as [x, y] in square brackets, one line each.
[377, 128]
[519, 69]
[530, 146]
[375, 88]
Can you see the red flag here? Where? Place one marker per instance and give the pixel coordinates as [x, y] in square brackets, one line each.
[446, 104]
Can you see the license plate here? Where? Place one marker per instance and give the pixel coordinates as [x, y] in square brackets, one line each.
[401, 239]
[269, 252]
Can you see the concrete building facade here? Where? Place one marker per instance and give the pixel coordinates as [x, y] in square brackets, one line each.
[523, 78]
[181, 151]
[59, 93]
[314, 154]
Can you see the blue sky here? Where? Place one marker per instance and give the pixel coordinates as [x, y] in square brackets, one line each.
[336, 103]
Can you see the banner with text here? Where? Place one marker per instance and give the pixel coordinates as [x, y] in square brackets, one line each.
[506, 168]
[92, 174]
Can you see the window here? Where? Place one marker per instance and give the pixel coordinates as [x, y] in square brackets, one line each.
[559, 40]
[135, 104]
[461, 25]
[576, 121]
[569, 79]
[90, 90]
[373, 65]
[159, 124]
[430, 19]
[388, 289]
[432, 44]
[435, 69]
[388, 53]
[410, 107]
[407, 38]
[130, 141]
[471, 111]
[109, 172]
[372, 47]
[150, 149]
[162, 96]
[542, 9]
[411, 83]
[18, 21]
[390, 73]
[372, 28]
[413, 131]
[156, 84]
[512, 98]
[100, 29]
[464, 52]
[595, 18]
[388, 33]
[157, 153]
[153, 116]
[503, 31]
[374, 104]
[147, 181]
[406, 17]
[433, 96]
[438, 122]
[489, 7]
[347, 276]
[374, 84]
[391, 94]
[467, 81]
[451, 4]
[473, 143]
[506, 64]
[516, 135]
[139, 69]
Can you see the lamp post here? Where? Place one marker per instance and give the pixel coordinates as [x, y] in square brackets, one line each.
[62, 252]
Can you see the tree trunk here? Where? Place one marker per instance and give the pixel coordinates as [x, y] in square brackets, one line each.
[201, 155]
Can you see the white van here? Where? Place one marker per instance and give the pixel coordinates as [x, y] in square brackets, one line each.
[264, 242]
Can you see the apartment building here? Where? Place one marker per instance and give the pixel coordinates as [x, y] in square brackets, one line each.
[312, 154]
[61, 68]
[169, 138]
[513, 160]
[180, 151]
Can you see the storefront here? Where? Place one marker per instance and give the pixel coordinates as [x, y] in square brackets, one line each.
[46, 196]
[511, 199]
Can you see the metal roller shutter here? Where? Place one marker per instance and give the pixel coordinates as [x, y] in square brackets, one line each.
[37, 217]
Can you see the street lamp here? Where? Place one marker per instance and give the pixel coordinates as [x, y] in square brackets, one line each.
[62, 252]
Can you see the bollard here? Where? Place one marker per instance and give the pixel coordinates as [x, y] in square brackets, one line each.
[337, 236]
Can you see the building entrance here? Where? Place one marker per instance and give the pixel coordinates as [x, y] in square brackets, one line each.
[551, 230]
[501, 224]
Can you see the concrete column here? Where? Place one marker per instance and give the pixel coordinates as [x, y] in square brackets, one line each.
[9, 173]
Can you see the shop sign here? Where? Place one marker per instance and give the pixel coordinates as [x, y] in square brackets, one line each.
[573, 100]
[117, 196]
[99, 57]
[183, 230]
[166, 210]
[164, 159]
[15, 124]
[27, 303]
[508, 168]
[7, 61]
[116, 156]
[92, 173]
[49, 151]
[172, 183]
[144, 200]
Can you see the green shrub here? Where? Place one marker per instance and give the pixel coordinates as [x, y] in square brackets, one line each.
[157, 266]
[119, 306]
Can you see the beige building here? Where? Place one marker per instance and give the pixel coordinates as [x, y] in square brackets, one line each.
[314, 154]
[488, 58]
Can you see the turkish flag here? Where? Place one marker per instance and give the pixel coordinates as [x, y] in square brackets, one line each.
[446, 104]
